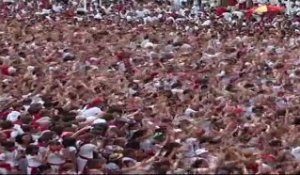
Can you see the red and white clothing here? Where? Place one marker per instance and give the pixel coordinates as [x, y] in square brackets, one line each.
[9, 158]
[85, 153]
[55, 160]
[5, 168]
[34, 161]
[69, 153]
[42, 149]
[8, 134]
[22, 162]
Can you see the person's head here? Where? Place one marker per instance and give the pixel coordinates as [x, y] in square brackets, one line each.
[9, 145]
[34, 108]
[32, 150]
[47, 136]
[6, 125]
[68, 142]
[55, 145]
[26, 120]
[25, 139]
[57, 128]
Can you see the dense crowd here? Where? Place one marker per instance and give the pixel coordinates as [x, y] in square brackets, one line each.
[138, 87]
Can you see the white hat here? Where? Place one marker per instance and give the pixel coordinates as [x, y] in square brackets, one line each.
[99, 120]
[13, 116]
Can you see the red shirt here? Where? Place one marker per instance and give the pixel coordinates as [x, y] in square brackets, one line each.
[220, 10]
[4, 70]
[232, 2]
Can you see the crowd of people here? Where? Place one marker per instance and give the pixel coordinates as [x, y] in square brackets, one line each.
[142, 88]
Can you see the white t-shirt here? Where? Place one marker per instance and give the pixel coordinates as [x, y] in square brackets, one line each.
[56, 158]
[87, 150]
[9, 157]
[34, 161]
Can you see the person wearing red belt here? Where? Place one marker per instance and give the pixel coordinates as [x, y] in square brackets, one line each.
[34, 159]
[55, 157]
[85, 153]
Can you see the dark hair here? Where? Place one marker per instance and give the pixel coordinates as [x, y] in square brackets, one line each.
[69, 141]
[34, 108]
[68, 117]
[19, 138]
[58, 129]
[54, 142]
[8, 144]
[198, 163]
[47, 136]
[31, 149]
[26, 128]
[43, 168]
[26, 119]
[133, 145]
[6, 124]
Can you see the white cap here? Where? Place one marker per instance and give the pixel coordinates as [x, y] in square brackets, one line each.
[99, 120]
[13, 116]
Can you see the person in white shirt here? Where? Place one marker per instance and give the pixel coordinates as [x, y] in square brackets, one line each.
[85, 153]
[55, 157]
[34, 159]
[10, 153]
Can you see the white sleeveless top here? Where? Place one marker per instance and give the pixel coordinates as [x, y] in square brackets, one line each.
[56, 158]
[33, 161]
[87, 150]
